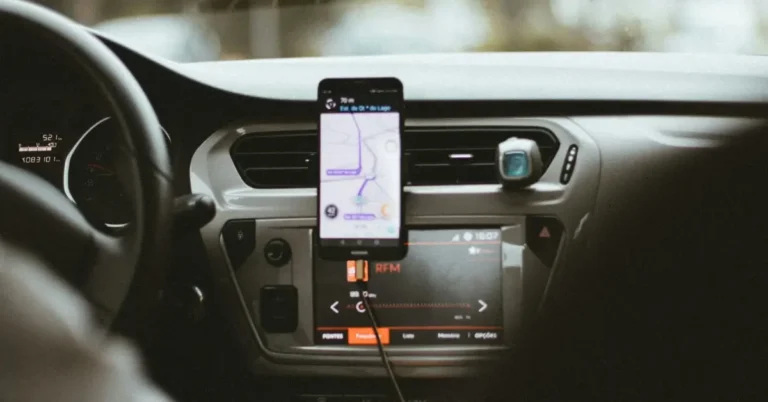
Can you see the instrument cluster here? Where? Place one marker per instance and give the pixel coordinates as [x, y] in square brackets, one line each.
[74, 144]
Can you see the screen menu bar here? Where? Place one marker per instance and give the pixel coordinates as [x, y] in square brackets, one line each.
[361, 336]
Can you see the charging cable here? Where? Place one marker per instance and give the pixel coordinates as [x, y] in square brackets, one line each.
[360, 277]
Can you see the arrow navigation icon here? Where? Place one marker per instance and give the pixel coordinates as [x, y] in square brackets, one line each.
[483, 306]
[333, 307]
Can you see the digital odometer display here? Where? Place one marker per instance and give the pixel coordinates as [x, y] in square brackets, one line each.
[44, 149]
[40, 146]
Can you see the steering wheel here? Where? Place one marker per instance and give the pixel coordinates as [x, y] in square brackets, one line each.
[111, 272]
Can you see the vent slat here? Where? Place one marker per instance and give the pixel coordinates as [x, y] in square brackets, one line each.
[437, 156]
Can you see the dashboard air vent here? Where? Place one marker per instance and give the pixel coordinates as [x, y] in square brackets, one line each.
[465, 155]
[276, 160]
[436, 155]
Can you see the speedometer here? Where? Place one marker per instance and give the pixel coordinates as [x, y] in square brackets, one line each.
[92, 176]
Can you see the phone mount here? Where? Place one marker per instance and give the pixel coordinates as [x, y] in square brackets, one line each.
[518, 163]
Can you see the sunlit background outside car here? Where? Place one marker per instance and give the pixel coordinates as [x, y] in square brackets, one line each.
[205, 30]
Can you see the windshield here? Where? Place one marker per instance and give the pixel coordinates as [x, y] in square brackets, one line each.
[204, 30]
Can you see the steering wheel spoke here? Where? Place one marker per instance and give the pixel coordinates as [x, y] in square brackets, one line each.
[110, 273]
[41, 219]
[38, 217]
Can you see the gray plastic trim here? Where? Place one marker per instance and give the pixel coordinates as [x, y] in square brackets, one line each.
[212, 172]
[299, 272]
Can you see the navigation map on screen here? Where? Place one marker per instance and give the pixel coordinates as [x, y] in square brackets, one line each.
[360, 175]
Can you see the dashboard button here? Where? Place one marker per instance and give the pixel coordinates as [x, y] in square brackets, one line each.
[279, 308]
[331, 337]
[542, 236]
[277, 252]
[239, 240]
[569, 165]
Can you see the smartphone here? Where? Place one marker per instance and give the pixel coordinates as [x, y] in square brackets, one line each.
[360, 207]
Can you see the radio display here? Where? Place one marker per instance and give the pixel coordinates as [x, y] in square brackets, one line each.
[447, 291]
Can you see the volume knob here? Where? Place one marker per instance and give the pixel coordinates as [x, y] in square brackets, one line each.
[277, 252]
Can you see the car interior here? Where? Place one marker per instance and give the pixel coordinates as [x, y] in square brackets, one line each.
[181, 201]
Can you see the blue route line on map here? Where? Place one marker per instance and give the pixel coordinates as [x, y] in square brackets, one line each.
[362, 187]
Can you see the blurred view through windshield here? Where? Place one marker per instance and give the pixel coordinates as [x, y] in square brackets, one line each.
[203, 30]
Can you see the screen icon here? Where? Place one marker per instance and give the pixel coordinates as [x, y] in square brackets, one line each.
[385, 211]
[330, 104]
[351, 277]
[468, 236]
[331, 211]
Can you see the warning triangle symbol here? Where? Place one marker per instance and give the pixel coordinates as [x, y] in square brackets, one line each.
[544, 234]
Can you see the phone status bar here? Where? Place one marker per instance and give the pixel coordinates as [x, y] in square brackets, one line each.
[349, 105]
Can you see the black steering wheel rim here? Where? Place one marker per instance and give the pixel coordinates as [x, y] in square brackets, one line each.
[112, 283]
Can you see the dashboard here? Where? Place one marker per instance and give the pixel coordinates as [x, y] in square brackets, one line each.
[243, 134]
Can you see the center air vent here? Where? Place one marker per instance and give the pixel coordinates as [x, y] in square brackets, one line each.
[276, 160]
[465, 155]
[436, 155]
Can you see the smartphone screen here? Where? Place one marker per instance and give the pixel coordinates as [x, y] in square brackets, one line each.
[360, 208]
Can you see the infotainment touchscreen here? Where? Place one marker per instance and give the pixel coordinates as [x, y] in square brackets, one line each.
[447, 291]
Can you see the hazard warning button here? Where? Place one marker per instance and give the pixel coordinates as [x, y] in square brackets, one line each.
[542, 236]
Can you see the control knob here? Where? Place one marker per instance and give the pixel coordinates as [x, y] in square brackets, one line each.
[277, 252]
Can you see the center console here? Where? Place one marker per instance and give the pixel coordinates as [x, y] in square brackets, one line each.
[480, 257]
[455, 297]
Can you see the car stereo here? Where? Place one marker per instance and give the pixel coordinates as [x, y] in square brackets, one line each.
[455, 302]
[447, 291]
